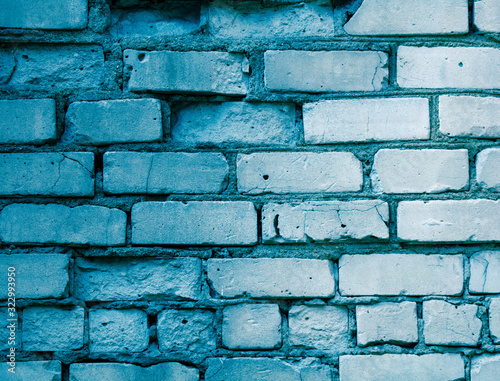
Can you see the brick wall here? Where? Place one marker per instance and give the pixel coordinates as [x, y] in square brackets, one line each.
[250, 190]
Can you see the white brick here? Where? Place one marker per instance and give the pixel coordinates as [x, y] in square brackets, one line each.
[47, 174]
[324, 71]
[487, 165]
[467, 116]
[392, 367]
[299, 172]
[365, 120]
[164, 172]
[485, 368]
[194, 222]
[449, 221]
[325, 221]
[448, 67]
[449, 324]
[420, 170]
[400, 274]
[251, 326]
[387, 323]
[487, 16]
[271, 278]
[28, 121]
[485, 273]
[196, 72]
[402, 17]
[319, 327]
[33, 370]
[494, 320]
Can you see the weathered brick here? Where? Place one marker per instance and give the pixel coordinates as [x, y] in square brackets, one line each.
[27, 121]
[487, 164]
[118, 330]
[251, 326]
[494, 320]
[449, 324]
[392, 367]
[318, 327]
[186, 330]
[116, 121]
[400, 274]
[485, 273]
[448, 67]
[291, 278]
[193, 222]
[38, 276]
[34, 370]
[54, 223]
[299, 172]
[319, 72]
[401, 17]
[366, 120]
[325, 221]
[449, 221]
[50, 328]
[164, 172]
[394, 323]
[486, 16]
[468, 116]
[47, 174]
[100, 279]
[420, 170]
[195, 72]
[9, 328]
[235, 123]
[485, 367]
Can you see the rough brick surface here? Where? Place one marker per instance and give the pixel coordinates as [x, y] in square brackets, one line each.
[54, 223]
[325, 221]
[485, 367]
[27, 121]
[292, 278]
[485, 272]
[494, 320]
[10, 323]
[320, 72]
[299, 172]
[34, 370]
[486, 16]
[420, 171]
[164, 172]
[487, 164]
[400, 274]
[365, 120]
[117, 121]
[196, 223]
[449, 221]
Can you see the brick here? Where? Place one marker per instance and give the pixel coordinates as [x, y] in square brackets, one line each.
[38, 276]
[394, 323]
[253, 369]
[195, 72]
[392, 367]
[186, 330]
[449, 324]
[366, 120]
[28, 121]
[485, 367]
[318, 327]
[50, 328]
[44, 14]
[325, 221]
[194, 223]
[494, 320]
[9, 328]
[34, 370]
[447, 67]
[164, 172]
[248, 19]
[121, 372]
[54, 67]
[251, 326]
[409, 17]
[487, 164]
[54, 223]
[449, 221]
[486, 16]
[47, 174]
[420, 170]
[468, 116]
[400, 274]
[235, 123]
[118, 330]
[99, 279]
[299, 172]
[292, 278]
[485, 273]
[116, 121]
